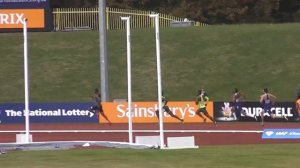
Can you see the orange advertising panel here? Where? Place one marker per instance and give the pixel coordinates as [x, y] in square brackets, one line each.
[13, 18]
[144, 112]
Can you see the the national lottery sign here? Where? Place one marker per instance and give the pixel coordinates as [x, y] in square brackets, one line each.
[47, 113]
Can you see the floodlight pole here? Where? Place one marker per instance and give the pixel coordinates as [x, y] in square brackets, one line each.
[26, 83]
[127, 19]
[161, 128]
[103, 51]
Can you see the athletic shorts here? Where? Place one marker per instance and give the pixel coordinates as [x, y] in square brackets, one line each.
[202, 110]
[267, 108]
[96, 108]
[166, 109]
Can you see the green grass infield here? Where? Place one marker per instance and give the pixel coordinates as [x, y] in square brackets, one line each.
[247, 156]
[65, 66]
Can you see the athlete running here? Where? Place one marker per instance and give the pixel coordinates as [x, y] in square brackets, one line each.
[97, 107]
[268, 100]
[202, 100]
[167, 110]
[237, 110]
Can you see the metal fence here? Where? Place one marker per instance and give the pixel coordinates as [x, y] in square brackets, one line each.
[87, 18]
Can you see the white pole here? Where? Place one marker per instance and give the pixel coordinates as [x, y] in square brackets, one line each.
[26, 83]
[127, 19]
[161, 128]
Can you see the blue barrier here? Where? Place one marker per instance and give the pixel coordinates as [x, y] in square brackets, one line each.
[281, 134]
[47, 113]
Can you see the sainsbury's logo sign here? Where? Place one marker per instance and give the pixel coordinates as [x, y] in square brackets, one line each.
[138, 111]
[144, 112]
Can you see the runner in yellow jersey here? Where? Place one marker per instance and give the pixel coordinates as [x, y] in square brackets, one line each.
[201, 101]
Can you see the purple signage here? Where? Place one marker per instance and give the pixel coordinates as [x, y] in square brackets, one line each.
[21, 4]
[47, 113]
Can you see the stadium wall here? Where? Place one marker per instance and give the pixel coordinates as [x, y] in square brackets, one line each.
[142, 112]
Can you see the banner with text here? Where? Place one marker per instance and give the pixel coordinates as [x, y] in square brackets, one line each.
[13, 18]
[281, 134]
[144, 112]
[47, 113]
[283, 111]
[12, 14]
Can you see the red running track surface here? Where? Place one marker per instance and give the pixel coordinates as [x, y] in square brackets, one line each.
[201, 138]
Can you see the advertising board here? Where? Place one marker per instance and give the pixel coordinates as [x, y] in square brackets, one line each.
[37, 12]
[283, 111]
[47, 113]
[144, 112]
[281, 134]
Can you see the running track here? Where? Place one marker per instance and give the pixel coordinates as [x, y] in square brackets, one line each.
[117, 132]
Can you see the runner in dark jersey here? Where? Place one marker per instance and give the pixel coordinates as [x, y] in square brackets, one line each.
[97, 107]
[236, 103]
[237, 108]
[167, 110]
[268, 100]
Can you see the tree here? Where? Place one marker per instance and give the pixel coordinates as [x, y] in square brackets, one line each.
[210, 11]
[265, 10]
[228, 11]
[73, 3]
[288, 11]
